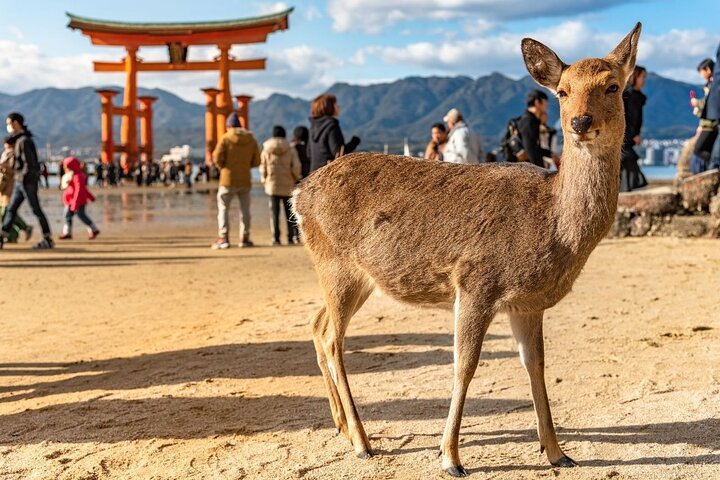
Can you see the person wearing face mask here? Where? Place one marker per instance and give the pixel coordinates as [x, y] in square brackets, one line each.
[27, 178]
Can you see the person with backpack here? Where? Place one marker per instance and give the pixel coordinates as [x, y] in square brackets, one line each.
[522, 140]
[27, 178]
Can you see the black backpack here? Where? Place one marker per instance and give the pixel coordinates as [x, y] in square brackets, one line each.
[511, 144]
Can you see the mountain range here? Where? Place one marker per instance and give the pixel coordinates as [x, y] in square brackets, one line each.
[380, 114]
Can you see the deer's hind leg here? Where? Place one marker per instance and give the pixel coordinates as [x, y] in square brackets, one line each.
[528, 331]
[346, 288]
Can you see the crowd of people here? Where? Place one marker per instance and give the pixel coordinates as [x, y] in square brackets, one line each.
[283, 163]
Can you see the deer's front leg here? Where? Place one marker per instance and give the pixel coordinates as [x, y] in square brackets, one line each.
[528, 331]
[471, 323]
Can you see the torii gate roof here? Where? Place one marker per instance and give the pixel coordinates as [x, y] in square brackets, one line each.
[241, 30]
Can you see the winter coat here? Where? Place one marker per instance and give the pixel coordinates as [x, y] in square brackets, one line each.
[529, 128]
[235, 154]
[713, 98]
[463, 145]
[279, 167]
[76, 194]
[26, 158]
[327, 141]
[302, 151]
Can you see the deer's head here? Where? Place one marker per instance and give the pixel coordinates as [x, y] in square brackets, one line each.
[589, 91]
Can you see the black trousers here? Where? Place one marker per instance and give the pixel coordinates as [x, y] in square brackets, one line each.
[275, 203]
[704, 144]
[25, 190]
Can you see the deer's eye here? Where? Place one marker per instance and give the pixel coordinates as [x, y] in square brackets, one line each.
[612, 89]
[561, 93]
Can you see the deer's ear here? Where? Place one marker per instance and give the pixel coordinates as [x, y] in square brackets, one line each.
[626, 51]
[542, 63]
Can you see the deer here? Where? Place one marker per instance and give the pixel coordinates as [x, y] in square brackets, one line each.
[480, 239]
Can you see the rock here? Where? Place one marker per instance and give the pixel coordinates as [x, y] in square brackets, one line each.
[683, 164]
[697, 190]
[692, 226]
[715, 205]
[621, 225]
[653, 201]
[640, 225]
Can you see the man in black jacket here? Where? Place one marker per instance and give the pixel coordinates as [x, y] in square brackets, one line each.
[529, 128]
[27, 178]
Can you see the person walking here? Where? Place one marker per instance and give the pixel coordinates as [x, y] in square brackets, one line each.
[280, 169]
[326, 139]
[7, 184]
[301, 135]
[438, 142]
[631, 177]
[27, 177]
[707, 131]
[463, 145]
[235, 155]
[75, 197]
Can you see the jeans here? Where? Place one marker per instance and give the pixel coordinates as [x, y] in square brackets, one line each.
[22, 191]
[80, 212]
[275, 202]
[224, 198]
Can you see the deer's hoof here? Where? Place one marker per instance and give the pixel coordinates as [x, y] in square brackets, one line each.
[365, 454]
[565, 462]
[457, 471]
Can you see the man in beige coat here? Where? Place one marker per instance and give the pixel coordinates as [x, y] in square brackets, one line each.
[279, 172]
[236, 153]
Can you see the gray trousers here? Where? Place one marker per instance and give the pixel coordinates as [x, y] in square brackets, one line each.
[224, 198]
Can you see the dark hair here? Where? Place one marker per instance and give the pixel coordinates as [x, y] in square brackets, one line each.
[440, 126]
[707, 63]
[278, 131]
[637, 71]
[17, 117]
[10, 139]
[301, 134]
[534, 96]
[323, 105]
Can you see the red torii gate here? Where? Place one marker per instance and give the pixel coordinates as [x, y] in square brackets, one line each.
[177, 37]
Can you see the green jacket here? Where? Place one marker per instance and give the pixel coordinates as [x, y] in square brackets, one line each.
[235, 154]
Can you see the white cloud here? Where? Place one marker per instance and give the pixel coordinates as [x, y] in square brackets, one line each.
[373, 16]
[265, 8]
[675, 53]
[299, 70]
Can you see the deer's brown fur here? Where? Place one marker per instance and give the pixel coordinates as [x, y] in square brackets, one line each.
[482, 239]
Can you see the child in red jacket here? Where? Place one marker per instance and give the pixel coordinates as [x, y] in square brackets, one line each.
[75, 196]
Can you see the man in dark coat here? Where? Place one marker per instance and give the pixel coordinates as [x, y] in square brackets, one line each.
[529, 127]
[27, 180]
[713, 99]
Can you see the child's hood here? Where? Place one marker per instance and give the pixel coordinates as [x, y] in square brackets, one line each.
[73, 164]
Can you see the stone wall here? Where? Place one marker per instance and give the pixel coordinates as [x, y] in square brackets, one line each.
[690, 209]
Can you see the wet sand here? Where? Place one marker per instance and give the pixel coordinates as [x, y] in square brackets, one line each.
[145, 354]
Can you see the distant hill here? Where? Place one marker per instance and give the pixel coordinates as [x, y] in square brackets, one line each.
[379, 114]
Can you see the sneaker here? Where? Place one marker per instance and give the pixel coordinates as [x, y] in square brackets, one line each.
[28, 232]
[247, 244]
[276, 243]
[45, 244]
[93, 234]
[65, 236]
[220, 244]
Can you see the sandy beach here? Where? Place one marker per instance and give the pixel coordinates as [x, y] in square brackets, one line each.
[145, 354]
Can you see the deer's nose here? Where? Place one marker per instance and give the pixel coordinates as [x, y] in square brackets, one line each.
[581, 124]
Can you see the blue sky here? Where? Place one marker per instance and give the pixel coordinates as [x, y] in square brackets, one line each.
[359, 41]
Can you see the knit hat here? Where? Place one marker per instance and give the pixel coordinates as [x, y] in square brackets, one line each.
[233, 121]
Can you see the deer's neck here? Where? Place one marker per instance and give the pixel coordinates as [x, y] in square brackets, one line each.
[586, 192]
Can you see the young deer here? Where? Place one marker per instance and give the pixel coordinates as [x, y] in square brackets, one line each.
[488, 238]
